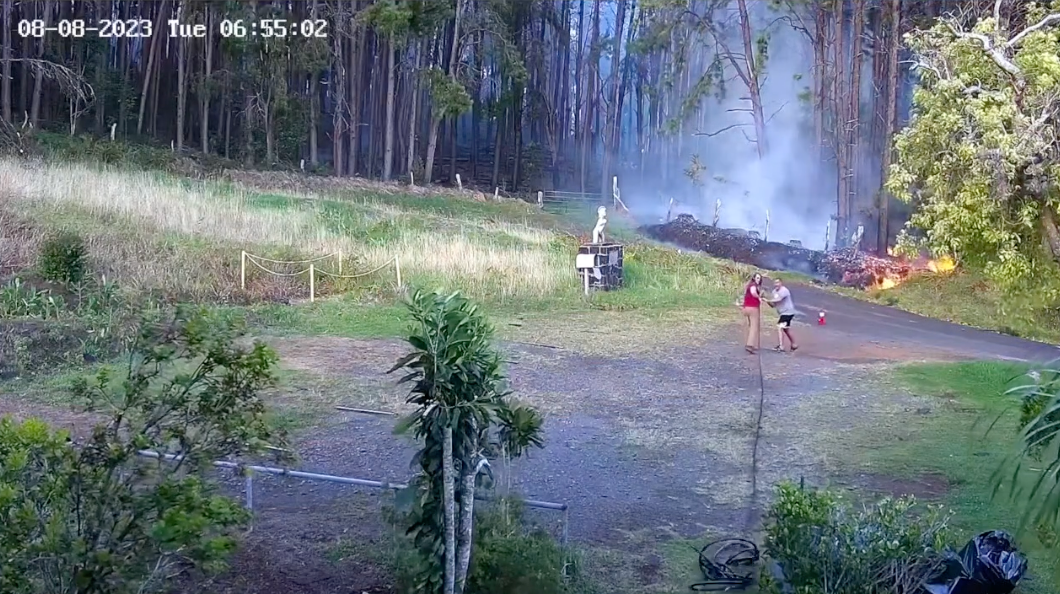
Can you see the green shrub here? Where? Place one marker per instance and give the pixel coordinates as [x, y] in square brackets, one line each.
[825, 545]
[63, 258]
[97, 518]
[508, 558]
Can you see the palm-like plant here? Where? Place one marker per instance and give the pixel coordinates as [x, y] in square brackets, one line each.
[460, 392]
[1039, 426]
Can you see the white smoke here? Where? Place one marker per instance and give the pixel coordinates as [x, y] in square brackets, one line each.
[788, 182]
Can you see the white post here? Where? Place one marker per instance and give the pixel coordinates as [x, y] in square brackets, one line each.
[412, 179]
[243, 270]
[397, 270]
[827, 234]
[459, 183]
[312, 284]
[113, 131]
[717, 211]
[540, 199]
[340, 261]
[301, 165]
[765, 237]
[496, 193]
[585, 276]
[614, 192]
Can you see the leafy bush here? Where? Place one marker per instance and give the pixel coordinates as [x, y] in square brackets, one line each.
[63, 258]
[98, 518]
[825, 545]
[508, 558]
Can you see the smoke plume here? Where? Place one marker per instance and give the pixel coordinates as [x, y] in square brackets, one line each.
[719, 136]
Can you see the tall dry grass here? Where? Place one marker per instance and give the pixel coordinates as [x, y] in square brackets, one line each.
[158, 234]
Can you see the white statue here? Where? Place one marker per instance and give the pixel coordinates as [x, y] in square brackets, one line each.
[601, 222]
[856, 239]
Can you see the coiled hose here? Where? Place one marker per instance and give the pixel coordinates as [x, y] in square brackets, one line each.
[718, 561]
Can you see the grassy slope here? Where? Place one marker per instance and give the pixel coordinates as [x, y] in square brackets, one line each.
[957, 441]
[182, 240]
[966, 298]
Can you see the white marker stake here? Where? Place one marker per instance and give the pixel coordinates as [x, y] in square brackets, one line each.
[243, 270]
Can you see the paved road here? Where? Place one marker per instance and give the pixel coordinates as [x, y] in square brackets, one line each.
[887, 324]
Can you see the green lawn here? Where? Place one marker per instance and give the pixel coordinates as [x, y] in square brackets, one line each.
[971, 437]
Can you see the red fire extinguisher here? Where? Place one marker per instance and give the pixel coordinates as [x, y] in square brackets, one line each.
[820, 318]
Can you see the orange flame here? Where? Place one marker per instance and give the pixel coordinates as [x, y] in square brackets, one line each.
[942, 265]
[887, 282]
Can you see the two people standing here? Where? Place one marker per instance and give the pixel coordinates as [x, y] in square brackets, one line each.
[752, 312]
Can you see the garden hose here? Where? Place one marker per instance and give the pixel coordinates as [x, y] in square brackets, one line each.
[717, 561]
[717, 565]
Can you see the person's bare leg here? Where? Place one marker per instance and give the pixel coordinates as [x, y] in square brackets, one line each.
[791, 339]
[747, 331]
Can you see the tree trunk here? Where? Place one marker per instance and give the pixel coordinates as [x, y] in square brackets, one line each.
[590, 95]
[338, 95]
[207, 86]
[391, 102]
[437, 113]
[356, 91]
[854, 111]
[820, 71]
[891, 123]
[226, 108]
[578, 83]
[449, 504]
[155, 95]
[5, 84]
[613, 113]
[248, 127]
[432, 145]
[38, 81]
[563, 83]
[498, 148]
[467, 524]
[842, 215]
[182, 91]
[410, 159]
[270, 131]
[152, 59]
[753, 88]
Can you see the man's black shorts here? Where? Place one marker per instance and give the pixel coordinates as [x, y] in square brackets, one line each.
[785, 321]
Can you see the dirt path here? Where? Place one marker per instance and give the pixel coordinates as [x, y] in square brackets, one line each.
[641, 447]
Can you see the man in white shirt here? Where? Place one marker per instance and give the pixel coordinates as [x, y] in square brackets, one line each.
[781, 300]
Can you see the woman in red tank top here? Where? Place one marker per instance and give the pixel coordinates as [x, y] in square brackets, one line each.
[752, 312]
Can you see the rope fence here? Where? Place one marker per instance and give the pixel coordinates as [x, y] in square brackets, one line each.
[245, 257]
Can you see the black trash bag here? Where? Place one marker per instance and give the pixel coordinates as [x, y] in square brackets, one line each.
[988, 564]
